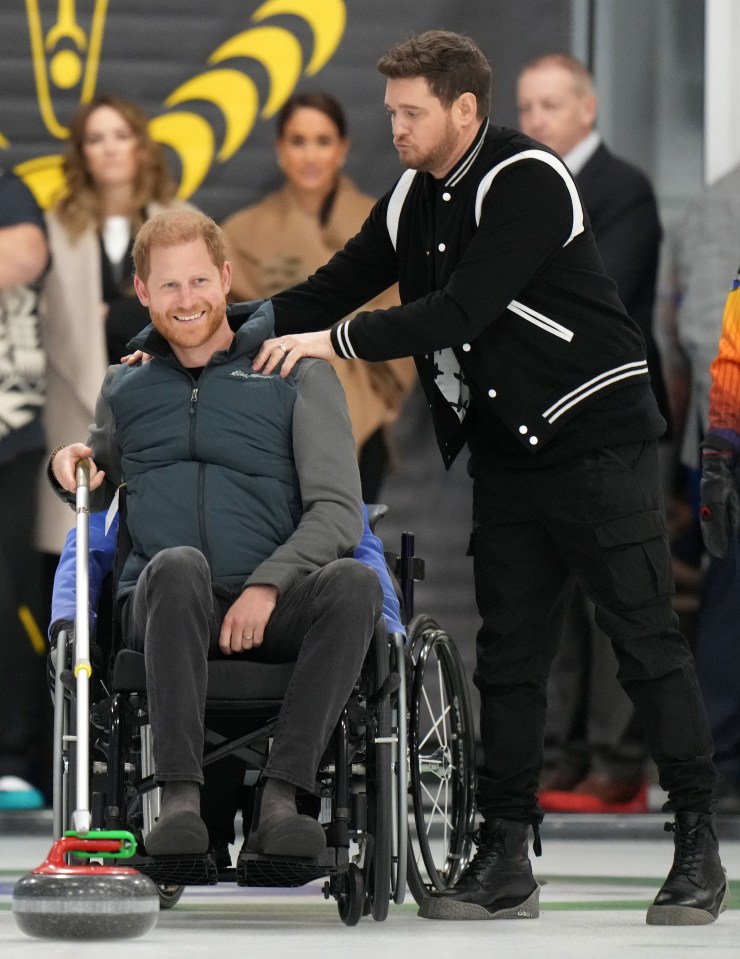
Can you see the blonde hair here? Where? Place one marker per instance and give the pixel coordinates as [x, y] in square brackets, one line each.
[80, 204]
[583, 82]
[173, 227]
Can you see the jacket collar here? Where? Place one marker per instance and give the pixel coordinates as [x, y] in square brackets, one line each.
[577, 158]
[463, 166]
[249, 335]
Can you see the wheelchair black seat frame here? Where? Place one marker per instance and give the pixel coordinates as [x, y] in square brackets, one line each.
[379, 760]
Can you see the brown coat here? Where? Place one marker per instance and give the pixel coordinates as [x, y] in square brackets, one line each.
[275, 244]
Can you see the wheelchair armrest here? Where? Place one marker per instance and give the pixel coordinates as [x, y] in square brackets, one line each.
[56, 628]
[375, 512]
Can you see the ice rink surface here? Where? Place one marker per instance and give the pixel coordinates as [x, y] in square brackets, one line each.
[598, 874]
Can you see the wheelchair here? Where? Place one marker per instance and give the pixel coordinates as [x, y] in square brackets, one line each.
[395, 788]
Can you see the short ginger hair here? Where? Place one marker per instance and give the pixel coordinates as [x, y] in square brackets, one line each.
[173, 227]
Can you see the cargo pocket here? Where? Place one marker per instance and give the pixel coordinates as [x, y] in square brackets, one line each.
[637, 557]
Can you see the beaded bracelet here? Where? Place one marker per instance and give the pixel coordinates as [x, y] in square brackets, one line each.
[52, 474]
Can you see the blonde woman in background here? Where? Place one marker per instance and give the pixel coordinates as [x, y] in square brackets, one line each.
[292, 232]
[115, 179]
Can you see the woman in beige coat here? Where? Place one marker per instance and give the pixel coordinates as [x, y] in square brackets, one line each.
[115, 178]
[292, 232]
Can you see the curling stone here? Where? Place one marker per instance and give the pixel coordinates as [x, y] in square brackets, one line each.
[60, 901]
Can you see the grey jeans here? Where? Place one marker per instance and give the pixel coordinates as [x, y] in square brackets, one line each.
[324, 624]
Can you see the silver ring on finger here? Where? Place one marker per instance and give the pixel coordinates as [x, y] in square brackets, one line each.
[283, 347]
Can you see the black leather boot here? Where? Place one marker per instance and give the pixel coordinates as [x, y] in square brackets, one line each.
[497, 884]
[695, 892]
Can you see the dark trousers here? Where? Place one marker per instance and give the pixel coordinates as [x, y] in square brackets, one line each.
[324, 624]
[373, 463]
[591, 725]
[718, 658]
[598, 518]
[25, 706]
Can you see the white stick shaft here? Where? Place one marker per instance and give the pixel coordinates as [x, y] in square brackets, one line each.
[82, 668]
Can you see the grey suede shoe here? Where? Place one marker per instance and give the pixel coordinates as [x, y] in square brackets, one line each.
[180, 832]
[277, 827]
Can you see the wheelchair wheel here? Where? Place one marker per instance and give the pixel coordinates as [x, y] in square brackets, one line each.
[379, 784]
[441, 761]
[169, 896]
[351, 895]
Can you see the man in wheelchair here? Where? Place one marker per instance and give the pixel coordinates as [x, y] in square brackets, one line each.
[243, 501]
[223, 792]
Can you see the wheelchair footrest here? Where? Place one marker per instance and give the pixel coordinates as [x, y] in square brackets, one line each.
[178, 870]
[252, 869]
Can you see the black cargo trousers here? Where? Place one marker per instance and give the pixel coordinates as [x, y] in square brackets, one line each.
[597, 519]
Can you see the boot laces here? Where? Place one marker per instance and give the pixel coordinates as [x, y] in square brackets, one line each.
[488, 849]
[689, 851]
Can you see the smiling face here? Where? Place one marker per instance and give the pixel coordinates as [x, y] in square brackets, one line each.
[428, 135]
[186, 295]
[554, 108]
[311, 151]
[110, 148]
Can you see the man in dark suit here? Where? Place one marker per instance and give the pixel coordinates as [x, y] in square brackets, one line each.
[597, 755]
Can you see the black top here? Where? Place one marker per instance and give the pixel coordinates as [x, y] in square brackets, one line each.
[126, 316]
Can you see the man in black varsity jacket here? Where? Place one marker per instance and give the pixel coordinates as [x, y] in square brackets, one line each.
[526, 353]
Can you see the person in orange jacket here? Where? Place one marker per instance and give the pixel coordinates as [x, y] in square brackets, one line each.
[717, 650]
[720, 500]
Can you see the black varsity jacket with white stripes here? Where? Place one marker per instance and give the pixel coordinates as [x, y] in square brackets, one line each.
[498, 262]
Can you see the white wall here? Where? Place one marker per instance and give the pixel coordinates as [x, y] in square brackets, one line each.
[721, 89]
[649, 73]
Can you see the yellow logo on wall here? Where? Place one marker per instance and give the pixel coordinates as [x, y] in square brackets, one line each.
[66, 57]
